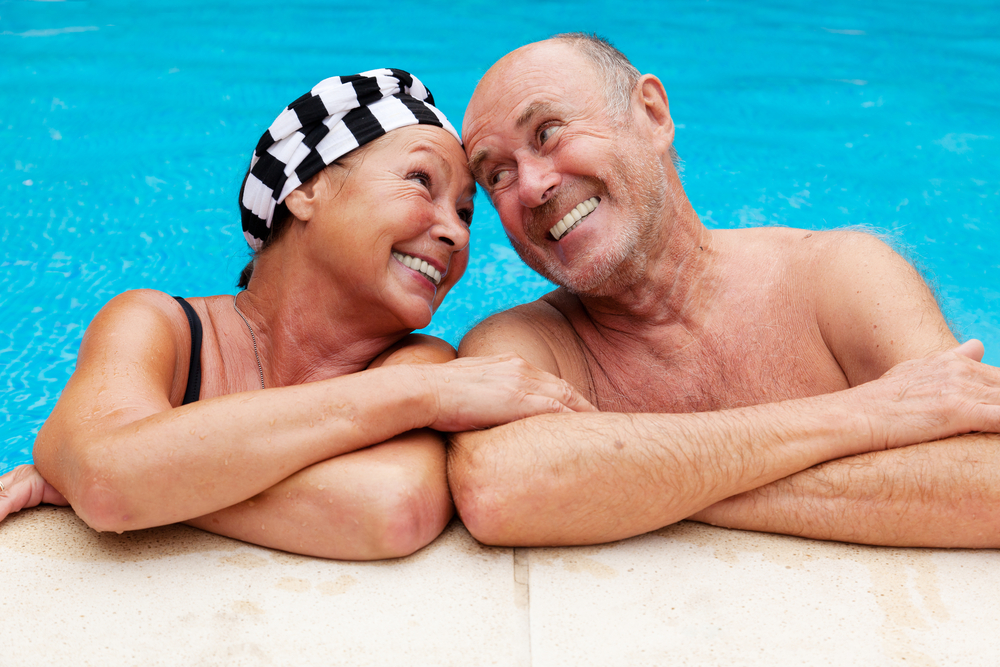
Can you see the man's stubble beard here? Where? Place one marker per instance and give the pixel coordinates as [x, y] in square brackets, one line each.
[641, 181]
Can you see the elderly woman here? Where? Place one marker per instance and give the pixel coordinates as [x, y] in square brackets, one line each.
[301, 414]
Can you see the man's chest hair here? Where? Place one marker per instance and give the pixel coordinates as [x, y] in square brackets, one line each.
[757, 365]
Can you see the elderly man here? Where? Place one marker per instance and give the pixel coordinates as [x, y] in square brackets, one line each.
[657, 315]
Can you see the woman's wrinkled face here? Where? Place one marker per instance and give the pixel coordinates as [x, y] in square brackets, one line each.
[395, 229]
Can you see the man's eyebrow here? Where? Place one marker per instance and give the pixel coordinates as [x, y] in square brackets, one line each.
[524, 118]
[477, 160]
[530, 111]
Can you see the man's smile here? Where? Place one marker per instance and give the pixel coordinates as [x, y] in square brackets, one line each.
[573, 218]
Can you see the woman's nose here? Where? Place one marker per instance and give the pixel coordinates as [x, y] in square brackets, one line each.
[452, 231]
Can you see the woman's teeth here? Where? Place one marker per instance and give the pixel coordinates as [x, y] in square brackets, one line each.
[419, 265]
[573, 218]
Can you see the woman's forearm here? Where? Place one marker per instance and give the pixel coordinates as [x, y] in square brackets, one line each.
[190, 461]
[384, 501]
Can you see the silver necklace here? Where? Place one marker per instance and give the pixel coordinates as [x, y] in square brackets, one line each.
[260, 369]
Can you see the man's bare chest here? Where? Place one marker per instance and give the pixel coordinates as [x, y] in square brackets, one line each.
[712, 374]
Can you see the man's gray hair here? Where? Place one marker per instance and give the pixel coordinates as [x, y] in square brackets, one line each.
[619, 74]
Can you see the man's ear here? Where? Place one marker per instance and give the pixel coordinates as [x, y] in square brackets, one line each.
[653, 98]
[301, 201]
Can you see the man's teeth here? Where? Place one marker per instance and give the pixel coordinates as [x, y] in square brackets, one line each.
[419, 265]
[573, 218]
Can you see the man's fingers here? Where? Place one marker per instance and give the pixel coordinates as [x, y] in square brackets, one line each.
[972, 348]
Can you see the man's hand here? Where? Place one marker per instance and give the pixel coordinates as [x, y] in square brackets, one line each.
[921, 400]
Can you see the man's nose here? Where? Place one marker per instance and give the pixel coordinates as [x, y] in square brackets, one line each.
[536, 179]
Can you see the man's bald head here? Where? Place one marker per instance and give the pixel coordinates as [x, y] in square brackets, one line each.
[613, 69]
[619, 75]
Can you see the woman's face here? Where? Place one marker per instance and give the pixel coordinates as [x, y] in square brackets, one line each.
[396, 228]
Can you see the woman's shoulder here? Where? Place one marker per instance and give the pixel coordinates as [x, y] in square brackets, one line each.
[139, 300]
[137, 319]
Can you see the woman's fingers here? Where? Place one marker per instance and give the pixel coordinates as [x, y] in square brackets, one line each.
[479, 392]
[24, 487]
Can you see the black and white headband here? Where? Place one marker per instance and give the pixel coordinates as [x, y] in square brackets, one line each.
[338, 115]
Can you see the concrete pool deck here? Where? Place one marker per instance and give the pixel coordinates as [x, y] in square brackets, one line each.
[686, 595]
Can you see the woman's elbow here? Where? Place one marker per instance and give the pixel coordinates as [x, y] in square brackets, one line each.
[411, 514]
[100, 503]
[102, 508]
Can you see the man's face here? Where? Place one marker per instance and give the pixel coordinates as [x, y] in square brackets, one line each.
[541, 144]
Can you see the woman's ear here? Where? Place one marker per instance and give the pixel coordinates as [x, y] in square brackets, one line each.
[301, 201]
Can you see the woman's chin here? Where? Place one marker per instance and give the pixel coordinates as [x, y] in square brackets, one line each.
[418, 316]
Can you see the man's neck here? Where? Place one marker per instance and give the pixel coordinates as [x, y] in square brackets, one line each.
[676, 285]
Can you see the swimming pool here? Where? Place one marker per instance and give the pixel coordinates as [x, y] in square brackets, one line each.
[126, 132]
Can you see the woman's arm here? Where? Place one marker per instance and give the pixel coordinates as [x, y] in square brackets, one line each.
[24, 487]
[383, 501]
[125, 458]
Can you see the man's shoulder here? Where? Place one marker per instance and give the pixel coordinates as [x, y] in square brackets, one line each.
[538, 331]
[539, 318]
[815, 254]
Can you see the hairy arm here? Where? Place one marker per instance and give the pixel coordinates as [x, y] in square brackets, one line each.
[936, 494]
[875, 311]
[596, 477]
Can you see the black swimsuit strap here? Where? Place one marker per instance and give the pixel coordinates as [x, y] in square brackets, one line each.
[193, 390]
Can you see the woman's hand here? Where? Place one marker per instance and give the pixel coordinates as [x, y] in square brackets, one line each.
[25, 487]
[480, 392]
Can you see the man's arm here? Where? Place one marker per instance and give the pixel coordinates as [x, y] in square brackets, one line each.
[937, 494]
[595, 477]
[875, 311]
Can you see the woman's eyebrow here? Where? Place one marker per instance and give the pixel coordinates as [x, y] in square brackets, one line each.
[444, 164]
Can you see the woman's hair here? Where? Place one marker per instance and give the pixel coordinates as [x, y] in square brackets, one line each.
[278, 225]
[332, 120]
[282, 216]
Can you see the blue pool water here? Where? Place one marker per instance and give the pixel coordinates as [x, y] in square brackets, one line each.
[126, 128]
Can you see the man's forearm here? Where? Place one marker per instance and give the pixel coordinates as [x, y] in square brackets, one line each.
[597, 477]
[938, 494]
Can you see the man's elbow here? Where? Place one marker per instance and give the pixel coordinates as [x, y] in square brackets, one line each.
[483, 502]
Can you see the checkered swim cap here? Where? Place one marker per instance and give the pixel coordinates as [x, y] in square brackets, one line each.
[338, 115]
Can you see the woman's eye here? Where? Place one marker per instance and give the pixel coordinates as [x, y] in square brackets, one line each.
[465, 215]
[545, 134]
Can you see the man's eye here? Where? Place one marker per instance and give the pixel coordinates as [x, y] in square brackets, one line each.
[546, 133]
[498, 176]
[420, 177]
